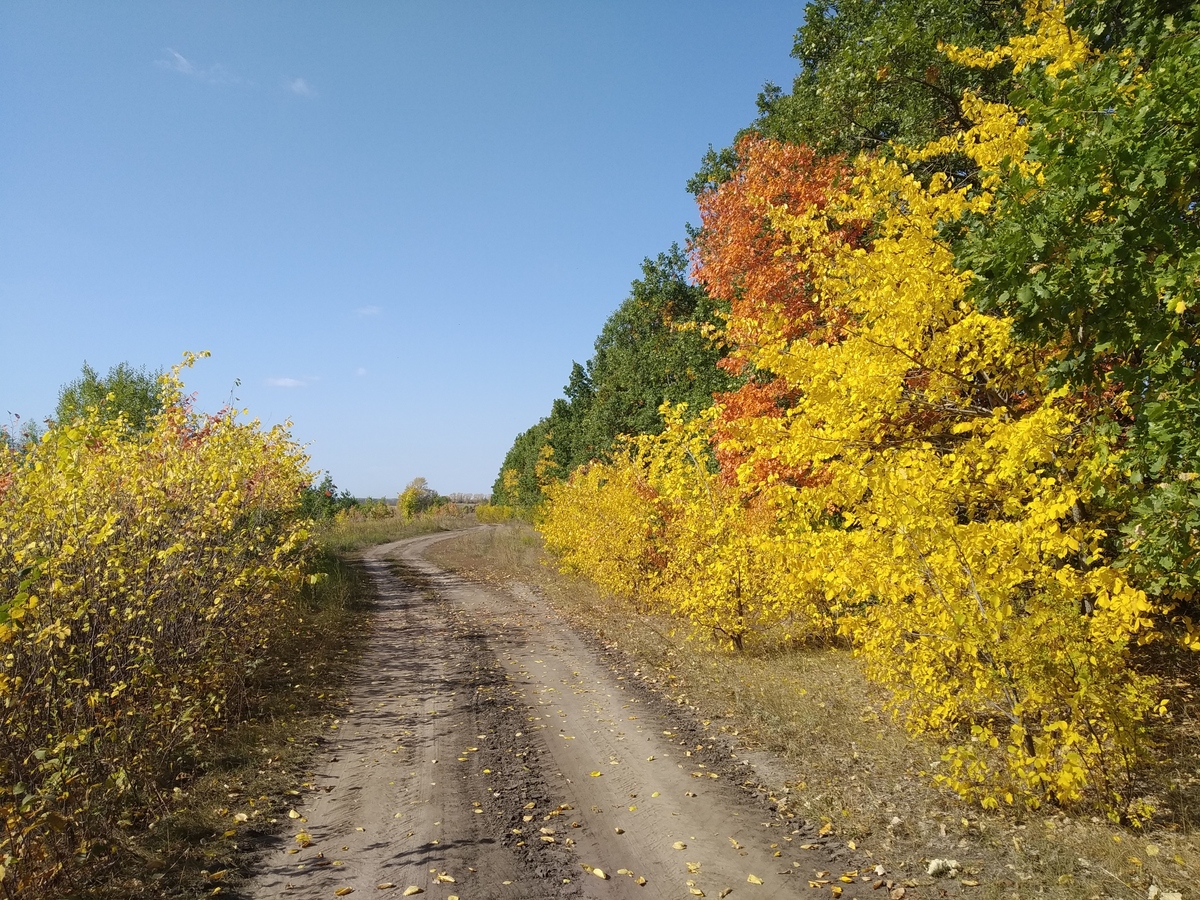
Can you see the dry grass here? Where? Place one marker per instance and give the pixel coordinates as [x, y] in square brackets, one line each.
[847, 763]
[355, 534]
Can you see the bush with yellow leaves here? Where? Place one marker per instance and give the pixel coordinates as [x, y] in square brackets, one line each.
[917, 484]
[141, 573]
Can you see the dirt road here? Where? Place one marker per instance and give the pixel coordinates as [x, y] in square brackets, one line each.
[488, 751]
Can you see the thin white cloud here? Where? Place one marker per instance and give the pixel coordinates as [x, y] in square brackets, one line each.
[180, 64]
[369, 310]
[360, 371]
[287, 382]
[300, 87]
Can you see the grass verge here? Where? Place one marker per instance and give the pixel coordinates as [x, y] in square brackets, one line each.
[850, 768]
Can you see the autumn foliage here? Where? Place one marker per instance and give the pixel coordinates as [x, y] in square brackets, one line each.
[898, 472]
[142, 573]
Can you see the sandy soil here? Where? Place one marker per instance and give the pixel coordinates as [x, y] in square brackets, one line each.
[489, 751]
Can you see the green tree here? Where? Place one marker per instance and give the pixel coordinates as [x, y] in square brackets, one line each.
[652, 349]
[124, 390]
[324, 500]
[517, 484]
[871, 72]
[1097, 256]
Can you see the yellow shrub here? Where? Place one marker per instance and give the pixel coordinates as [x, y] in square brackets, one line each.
[140, 577]
[488, 513]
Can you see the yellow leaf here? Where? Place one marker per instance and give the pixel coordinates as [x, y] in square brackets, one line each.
[412, 890]
[343, 891]
[754, 879]
[679, 845]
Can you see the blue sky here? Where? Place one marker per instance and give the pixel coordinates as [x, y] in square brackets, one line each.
[395, 224]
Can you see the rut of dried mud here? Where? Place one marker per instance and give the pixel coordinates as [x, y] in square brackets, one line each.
[488, 751]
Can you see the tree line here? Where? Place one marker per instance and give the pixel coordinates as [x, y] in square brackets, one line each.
[952, 278]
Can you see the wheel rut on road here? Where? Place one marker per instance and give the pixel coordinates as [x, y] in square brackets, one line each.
[489, 751]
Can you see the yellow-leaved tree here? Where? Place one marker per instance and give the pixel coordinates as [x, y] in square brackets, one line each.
[898, 467]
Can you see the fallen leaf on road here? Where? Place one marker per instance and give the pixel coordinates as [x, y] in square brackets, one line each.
[343, 891]
[385, 886]
[597, 774]
[736, 845]
[693, 868]
[624, 872]
[444, 878]
[529, 806]
[754, 879]
[679, 845]
[836, 890]
[725, 893]
[619, 830]
[600, 873]
[412, 890]
[696, 891]
[292, 814]
[640, 881]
